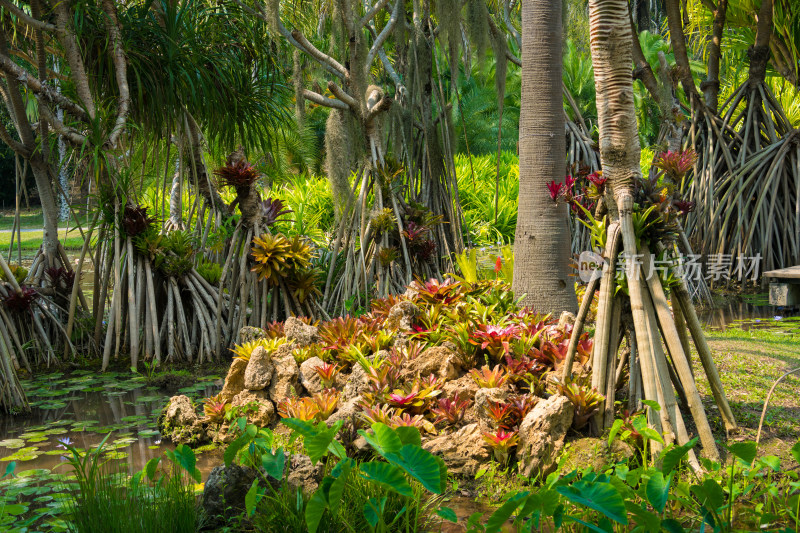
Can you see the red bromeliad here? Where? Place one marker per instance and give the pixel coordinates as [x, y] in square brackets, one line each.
[597, 179]
[555, 190]
[450, 410]
[327, 373]
[501, 442]
[676, 164]
[495, 339]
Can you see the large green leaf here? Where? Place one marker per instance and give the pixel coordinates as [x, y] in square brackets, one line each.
[448, 514]
[602, 497]
[501, 515]
[234, 447]
[319, 439]
[387, 475]
[709, 494]
[274, 464]
[184, 456]
[383, 439]
[657, 490]
[796, 451]
[419, 464]
[674, 455]
[643, 518]
[341, 473]
[408, 435]
[744, 451]
[373, 511]
[315, 508]
[251, 498]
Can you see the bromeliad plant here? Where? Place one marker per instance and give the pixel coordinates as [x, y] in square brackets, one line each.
[496, 341]
[245, 350]
[214, 408]
[587, 401]
[489, 378]
[327, 373]
[450, 411]
[501, 443]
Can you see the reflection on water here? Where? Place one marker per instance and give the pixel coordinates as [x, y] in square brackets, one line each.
[753, 314]
[82, 409]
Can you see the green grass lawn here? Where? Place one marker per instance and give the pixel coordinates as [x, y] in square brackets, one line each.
[31, 219]
[749, 363]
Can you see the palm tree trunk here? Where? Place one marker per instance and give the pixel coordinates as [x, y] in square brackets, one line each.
[542, 240]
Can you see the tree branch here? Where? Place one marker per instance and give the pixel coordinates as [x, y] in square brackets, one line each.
[120, 72]
[27, 19]
[12, 70]
[318, 99]
[17, 108]
[72, 54]
[12, 143]
[70, 134]
[343, 96]
[372, 12]
[509, 26]
[317, 54]
[384, 34]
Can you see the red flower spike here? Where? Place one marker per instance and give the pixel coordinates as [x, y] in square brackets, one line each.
[555, 190]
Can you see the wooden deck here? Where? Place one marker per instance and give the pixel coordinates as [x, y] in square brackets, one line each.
[784, 273]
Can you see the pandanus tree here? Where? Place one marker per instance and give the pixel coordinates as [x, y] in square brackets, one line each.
[750, 204]
[641, 301]
[30, 32]
[396, 214]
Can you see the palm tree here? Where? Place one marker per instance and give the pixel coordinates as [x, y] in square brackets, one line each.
[542, 241]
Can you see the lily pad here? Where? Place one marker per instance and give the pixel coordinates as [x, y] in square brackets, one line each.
[28, 453]
[12, 444]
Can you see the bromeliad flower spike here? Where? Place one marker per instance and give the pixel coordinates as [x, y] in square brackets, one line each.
[555, 190]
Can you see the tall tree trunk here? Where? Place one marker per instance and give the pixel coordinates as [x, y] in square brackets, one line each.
[41, 172]
[759, 52]
[711, 85]
[542, 249]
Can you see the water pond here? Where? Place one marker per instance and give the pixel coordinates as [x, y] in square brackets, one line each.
[81, 409]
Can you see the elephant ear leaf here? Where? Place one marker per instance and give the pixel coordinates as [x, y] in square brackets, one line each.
[744, 451]
[601, 497]
[657, 490]
[674, 455]
[419, 464]
[388, 476]
[383, 439]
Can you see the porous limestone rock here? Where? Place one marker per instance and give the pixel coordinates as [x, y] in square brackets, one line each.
[284, 379]
[300, 332]
[541, 435]
[464, 452]
[401, 316]
[309, 378]
[438, 360]
[464, 386]
[356, 383]
[255, 406]
[484, 399]
[346, 411]
[259, 369]
[234, 381]
[250, 334]
[224, 493]
[303, 474]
